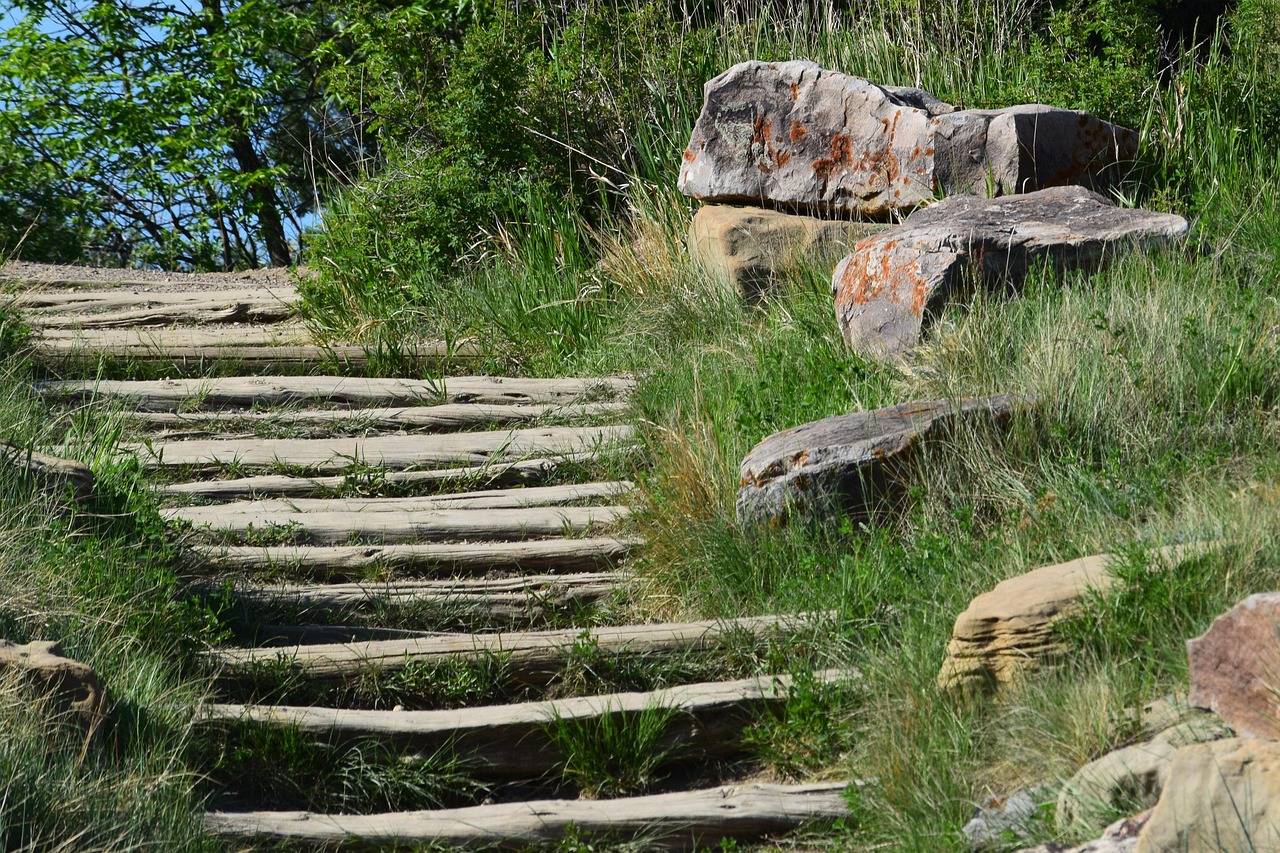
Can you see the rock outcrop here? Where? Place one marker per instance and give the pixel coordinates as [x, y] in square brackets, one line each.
[852, 463]
[49, 473]
[752, 247]
[1235, 667]
[1010, 629]
[1119, 837]
[70, 686]
[1219, 796]
[895, 280]
[795, 136]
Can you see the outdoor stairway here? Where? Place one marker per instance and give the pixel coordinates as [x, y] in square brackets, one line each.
[365, 536]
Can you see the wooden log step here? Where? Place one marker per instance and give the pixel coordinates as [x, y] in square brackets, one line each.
[211, 312]
[504, 599]
[283, 485]
[442, 525]
[394, 452]
[253, 347]
[530, 656]
[172, 395]
[119, 298]
[451, 416]
[282, 511]
[514, 741]
[353, 561]
[678, 821]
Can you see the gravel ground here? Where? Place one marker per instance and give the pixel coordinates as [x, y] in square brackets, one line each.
[57, 275]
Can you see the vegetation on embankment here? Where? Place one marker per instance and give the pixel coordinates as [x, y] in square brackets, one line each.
[1157, 377]
[97, 577]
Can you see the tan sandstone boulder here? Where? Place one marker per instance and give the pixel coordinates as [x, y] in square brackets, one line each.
[751, 247]
[798, 137]
[1235, 667]
[70, 686]
[1219, 796]
[1010, 629]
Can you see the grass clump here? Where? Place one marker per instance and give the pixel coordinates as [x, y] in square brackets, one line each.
[614, 755]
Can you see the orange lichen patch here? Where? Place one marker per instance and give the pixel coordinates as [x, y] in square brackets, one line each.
[800, 459]
[689, 156]
[798, 132]
[878, 272]
[841, 154]
[762, 135]
[795, 92]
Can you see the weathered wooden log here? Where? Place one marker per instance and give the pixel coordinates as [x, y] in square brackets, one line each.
[525, 600]
[678, 821]
[515, 741]
[332, 455]
[49, 473]
[285, 486]
[195, 314]
[172, 395]
[334, 528]
[451, 416]
[529, 656]
[354, 561]
[282, 511]
[121, 298]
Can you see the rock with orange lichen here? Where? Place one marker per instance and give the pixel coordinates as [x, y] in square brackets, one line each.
[796, 136]
[856, 464]
[894, 281]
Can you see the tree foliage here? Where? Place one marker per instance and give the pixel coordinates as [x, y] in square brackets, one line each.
[181, 135]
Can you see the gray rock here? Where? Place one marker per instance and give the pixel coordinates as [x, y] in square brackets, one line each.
[893, 281]
[796, 136]
[751, 248]
[854, 463]
[1235, 667]
[1003, 819]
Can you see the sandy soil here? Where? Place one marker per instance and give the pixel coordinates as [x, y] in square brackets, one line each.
[56, 275]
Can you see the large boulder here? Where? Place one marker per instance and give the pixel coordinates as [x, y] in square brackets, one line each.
[854, 463]
[1218, 796]
[70, 686]
[799, 137]
[1012, 629]
[1130, 777]
[751, 247]
[1235, 667]
[893, 281]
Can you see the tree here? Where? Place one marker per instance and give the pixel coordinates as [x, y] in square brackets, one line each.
[192, 132]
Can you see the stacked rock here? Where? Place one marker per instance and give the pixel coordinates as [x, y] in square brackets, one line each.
[813, 159]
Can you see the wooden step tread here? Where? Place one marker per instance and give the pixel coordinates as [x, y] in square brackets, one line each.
[523, 600]
[665, 821]
[286, 486]
[436, 525]
[529, 655]
[345, 561]
[279, 511]
[450, 416]
[395, 452]
[117, 298]
[171, 395]
[513, 740]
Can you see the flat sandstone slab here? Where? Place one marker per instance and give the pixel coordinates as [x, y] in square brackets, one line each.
[853, 463]
[752, 248]
[796, 136]
[893, 281]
